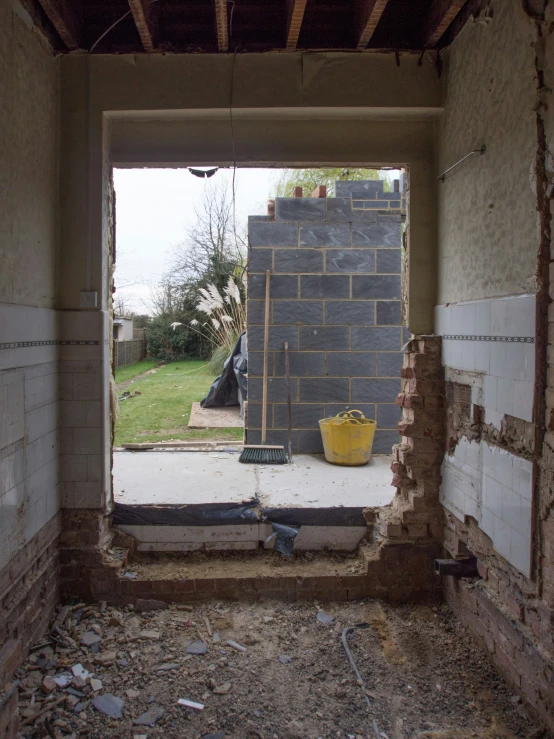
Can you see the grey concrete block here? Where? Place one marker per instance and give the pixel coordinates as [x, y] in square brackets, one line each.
[304, 415]
[259, 259]
[276, 389]
[325, 337]
[326, 390]
[274, 438]
[259, 218]
[277, 337]
[280, 286]
[389, 260]
[350, 312]
[330, 234]
[298, 311]
[325, 286]
[351, 364]
[389, 313]
[298, 260]
[371, 390]
[254, 416]
[310, 442]
[389, 364]
[368, 188]
[382, 233]
[376, 286]
[368, 409]
[299, 209]
[261, 233]
[374, 339]
[384, 441]
[302, 364]
[339, 210]
[256, 363]
[255, 311]
[350, 260]
[388, 415]
[386, 217]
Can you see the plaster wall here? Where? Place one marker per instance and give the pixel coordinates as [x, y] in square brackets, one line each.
[488, 224]
[30, 489]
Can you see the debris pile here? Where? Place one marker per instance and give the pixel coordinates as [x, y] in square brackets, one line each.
[270, 670]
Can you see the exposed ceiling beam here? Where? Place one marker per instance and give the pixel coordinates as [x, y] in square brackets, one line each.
[369, 13]
[222, 25]
[441, 14]
[62, 15]
[295, 17]
[143, 21]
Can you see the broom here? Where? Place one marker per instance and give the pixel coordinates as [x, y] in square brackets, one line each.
[261, 453]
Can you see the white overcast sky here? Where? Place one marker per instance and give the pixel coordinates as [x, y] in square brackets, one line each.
[154, 208]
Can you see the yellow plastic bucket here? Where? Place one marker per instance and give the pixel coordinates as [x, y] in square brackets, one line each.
[348, 438]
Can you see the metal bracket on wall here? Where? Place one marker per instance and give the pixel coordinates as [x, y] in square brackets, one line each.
[480, 151]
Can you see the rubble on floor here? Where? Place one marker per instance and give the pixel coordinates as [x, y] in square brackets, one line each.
[269, 670]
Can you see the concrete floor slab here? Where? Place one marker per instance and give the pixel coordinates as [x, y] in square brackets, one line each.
[193, 478]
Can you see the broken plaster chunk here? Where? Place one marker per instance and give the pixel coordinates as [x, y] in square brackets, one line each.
[150, 717]
[197, 647]
[48, 684]
[150, 635]
[285, 659]
[90, 638]
[132, 694]
[79, 671]
[109, 704]
[325, 618]
[238, 647]
[63, 679]
[96, 685]
[190, 704]
[105, 658]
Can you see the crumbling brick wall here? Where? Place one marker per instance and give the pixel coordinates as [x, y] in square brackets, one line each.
[335, 297]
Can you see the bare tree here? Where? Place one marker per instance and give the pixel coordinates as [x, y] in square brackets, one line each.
[212, 248]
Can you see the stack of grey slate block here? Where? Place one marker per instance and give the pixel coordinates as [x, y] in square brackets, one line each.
[336, 267]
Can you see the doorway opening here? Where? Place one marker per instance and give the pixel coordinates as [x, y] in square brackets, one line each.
[333, 242]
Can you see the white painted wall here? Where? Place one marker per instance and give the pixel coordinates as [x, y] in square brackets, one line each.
[29, 134]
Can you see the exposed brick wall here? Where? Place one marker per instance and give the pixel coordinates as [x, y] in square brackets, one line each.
[29, 592]
[335, 297]
[415, 512]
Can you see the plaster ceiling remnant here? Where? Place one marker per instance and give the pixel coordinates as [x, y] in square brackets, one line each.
[223, 26]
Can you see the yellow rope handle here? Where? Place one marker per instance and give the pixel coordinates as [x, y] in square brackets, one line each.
[346, 417]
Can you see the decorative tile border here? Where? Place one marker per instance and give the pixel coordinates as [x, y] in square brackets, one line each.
[467, 337]
[53, 342]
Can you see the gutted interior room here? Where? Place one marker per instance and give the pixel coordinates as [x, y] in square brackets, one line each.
[415, 598]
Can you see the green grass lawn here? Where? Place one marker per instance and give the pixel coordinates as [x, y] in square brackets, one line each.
[127, 373]
[162, 411]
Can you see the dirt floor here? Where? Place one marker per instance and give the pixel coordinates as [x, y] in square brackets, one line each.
[289, 679]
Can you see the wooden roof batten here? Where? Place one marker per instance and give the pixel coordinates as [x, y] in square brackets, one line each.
[440, 16]
[222, 25]
[142, 15]
[65, 18]
[368, 13]
[295, 16]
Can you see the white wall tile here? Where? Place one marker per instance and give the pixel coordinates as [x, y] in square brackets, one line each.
[489, 392]
[12, 409]
[498, 323]
[12, 465]
[482, 318]
[523, 477]
[520, 552]
[41, 421]
[523, 400]
[502, 537]
[87, 441]
[503, 467]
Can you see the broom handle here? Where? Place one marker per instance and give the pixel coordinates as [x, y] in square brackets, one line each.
[266, 358]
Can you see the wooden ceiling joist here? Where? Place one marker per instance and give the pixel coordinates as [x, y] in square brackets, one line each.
[369, 15]
[222, 25]
[296, 9]
[64, 18]
[441, 14]
[143, 21]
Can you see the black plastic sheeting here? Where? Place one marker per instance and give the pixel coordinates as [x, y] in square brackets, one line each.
[209, 514]
[336, 516]
[284, 538]
[230, 388]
